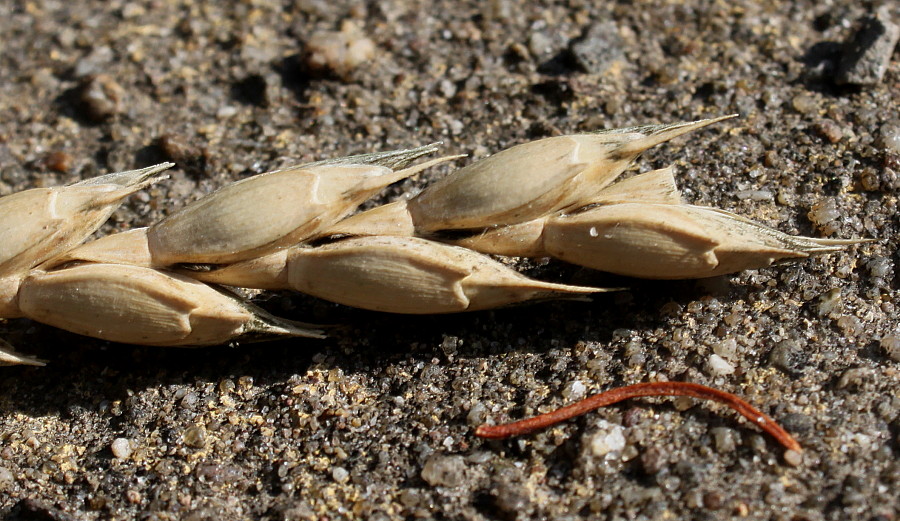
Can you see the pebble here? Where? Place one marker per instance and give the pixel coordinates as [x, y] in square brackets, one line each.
[727, 348]
[219, 474]
[854, 377]
[804, 103]
[100, 98]
[889, 137]
[184, 154]
[824, 211]
[59, 161]
[787, 356]
[829, 130]
[599, 48]
[511, 498]
[890, 344]
[444, 471]
[574, 390]
[718, 366]
[609, 438]
[830, 303]
[865, 58]
[338, 52]
[121, 448]
[194, 436]
[6, 477]
[725, 439]
[340, 474]
[793, 458]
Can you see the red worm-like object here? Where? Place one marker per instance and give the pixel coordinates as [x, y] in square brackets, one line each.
[619, 394]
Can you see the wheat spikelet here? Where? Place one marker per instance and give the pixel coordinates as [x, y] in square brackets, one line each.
[289, 229]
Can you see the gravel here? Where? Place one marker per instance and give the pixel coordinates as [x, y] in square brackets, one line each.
[376, 422]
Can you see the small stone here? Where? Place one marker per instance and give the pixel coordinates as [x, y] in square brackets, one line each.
[121, 448]
[804, 103]
[713, 500]
[100, 98]
[829, 130]
[539, 44]
[133, 496]
[890, 344]
[477, 414]
[854, 377]
[184, 154]
[725, 439]
[599, 48]
[718, 366]
[793, 458]
[574, 390]
[338, 52]
[59, 161]
[6, 477]
[219, 474]
[444, 471]
[727, 348]
[866, 56]
[787, 356]
[340, 474]
[830, 303]
[95, 62]
[824, 211]
[889, 137]
[610, 438]
[511, 498]
[194, 436]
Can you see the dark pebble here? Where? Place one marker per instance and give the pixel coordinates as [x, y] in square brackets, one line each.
[787, 356]
[598, 49]
[865, 58]
[100, 98]
[59, 161]
[187, 156]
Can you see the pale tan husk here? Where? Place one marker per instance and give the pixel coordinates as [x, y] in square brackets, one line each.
[519, 184]
[250, 218]
[38, 224]
[394, 274]
[137, 305]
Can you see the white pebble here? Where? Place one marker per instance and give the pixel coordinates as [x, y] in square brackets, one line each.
[574, 390]
[121, 448]
[340, 474]
[610, 438]
[719, 366]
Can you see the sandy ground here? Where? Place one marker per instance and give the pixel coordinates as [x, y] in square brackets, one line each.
[377, 422]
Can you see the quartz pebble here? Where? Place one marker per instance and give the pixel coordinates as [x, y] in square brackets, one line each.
[444, 471]
[718, 366]
[121, 448]
[608, 439]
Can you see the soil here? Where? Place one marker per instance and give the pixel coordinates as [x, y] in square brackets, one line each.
[377, 422]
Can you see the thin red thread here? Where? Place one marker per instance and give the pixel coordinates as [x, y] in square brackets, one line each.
[528, 425]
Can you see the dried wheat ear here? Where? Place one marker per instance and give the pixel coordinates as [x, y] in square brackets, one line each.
[293, 229]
